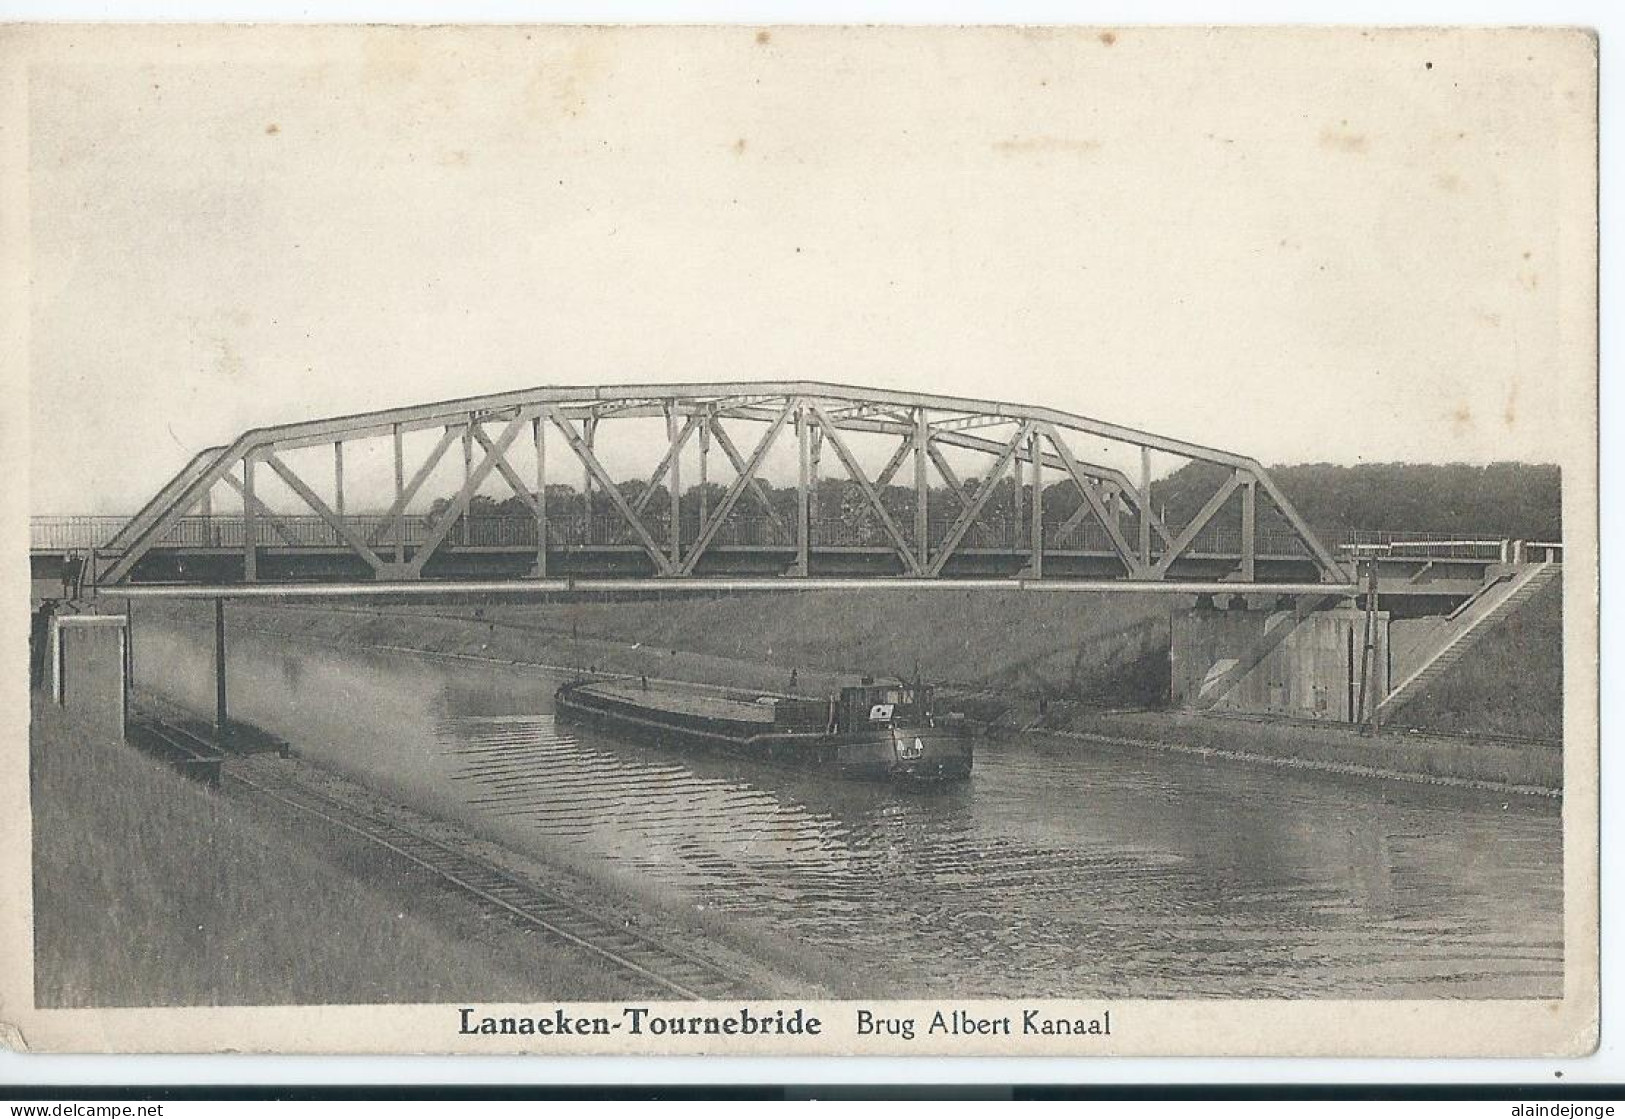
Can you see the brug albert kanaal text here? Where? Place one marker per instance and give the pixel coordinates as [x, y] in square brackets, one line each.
[962, 1023]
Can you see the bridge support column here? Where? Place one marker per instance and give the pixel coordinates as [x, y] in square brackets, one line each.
[1017, 498]
[589, 427]
[210, 537]
[400, 499]
[129, 646]
[705, 458]
[675, 487]
[89, 668]
[463, 537]
[1249, 525]
[1038, 506]
[251, 547]
[815, 460]
[538, 438]
[922, 490]
[803, 489]
[1145, 507]
[220, 713]
[338, 481]
[1366, 707]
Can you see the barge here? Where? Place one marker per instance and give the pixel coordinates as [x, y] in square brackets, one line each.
[867, 730]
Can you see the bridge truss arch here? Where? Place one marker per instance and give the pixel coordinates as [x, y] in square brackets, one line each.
[924, 488]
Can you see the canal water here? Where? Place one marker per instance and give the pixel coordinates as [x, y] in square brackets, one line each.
[1058, 869]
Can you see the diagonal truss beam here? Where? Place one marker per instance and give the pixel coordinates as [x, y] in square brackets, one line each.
[755, 485]
[747, 476]
[1125, 551]
[895, 463]
[504, 467]
[1330, 569]
[910, 560]
[1070, 525]
[161, 501]
[672, 452]
[459, 505]
[616, 497]
[875, 424]
[337, 523]
[1102, 473]
[410, 489]
[957, 438]
[955, 486]
[1142, 508]
[186, 497]
[278, 525]
[984, 490]
[1198, 523]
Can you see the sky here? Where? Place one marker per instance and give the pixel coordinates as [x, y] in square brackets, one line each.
[1300, 246]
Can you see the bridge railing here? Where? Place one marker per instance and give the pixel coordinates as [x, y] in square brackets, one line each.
[71, 534]
[1427, 545]
[994, 532]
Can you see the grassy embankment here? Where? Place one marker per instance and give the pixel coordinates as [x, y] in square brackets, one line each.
[151, 891]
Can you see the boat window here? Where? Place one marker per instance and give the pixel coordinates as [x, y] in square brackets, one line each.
[892, 696]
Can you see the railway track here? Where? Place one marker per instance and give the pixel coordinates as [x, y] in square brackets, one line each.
[661, 970]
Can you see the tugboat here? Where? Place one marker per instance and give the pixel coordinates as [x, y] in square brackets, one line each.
[884, 730]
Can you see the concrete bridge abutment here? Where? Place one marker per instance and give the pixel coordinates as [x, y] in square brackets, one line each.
[89, 670]
[1302, 658]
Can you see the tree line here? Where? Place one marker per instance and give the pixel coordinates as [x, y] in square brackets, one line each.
[1504, 499]
[1510, 500]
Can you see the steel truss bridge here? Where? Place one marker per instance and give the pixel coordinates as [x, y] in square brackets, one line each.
[933, 491]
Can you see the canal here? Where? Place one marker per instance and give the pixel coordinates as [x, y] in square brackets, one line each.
[1058, 870]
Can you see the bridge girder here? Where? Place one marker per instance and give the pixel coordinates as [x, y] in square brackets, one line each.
[1020, 439]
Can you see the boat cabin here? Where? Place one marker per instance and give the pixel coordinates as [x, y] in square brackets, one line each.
[883, 704]
[861, 707]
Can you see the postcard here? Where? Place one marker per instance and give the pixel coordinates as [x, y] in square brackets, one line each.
[800, 540]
